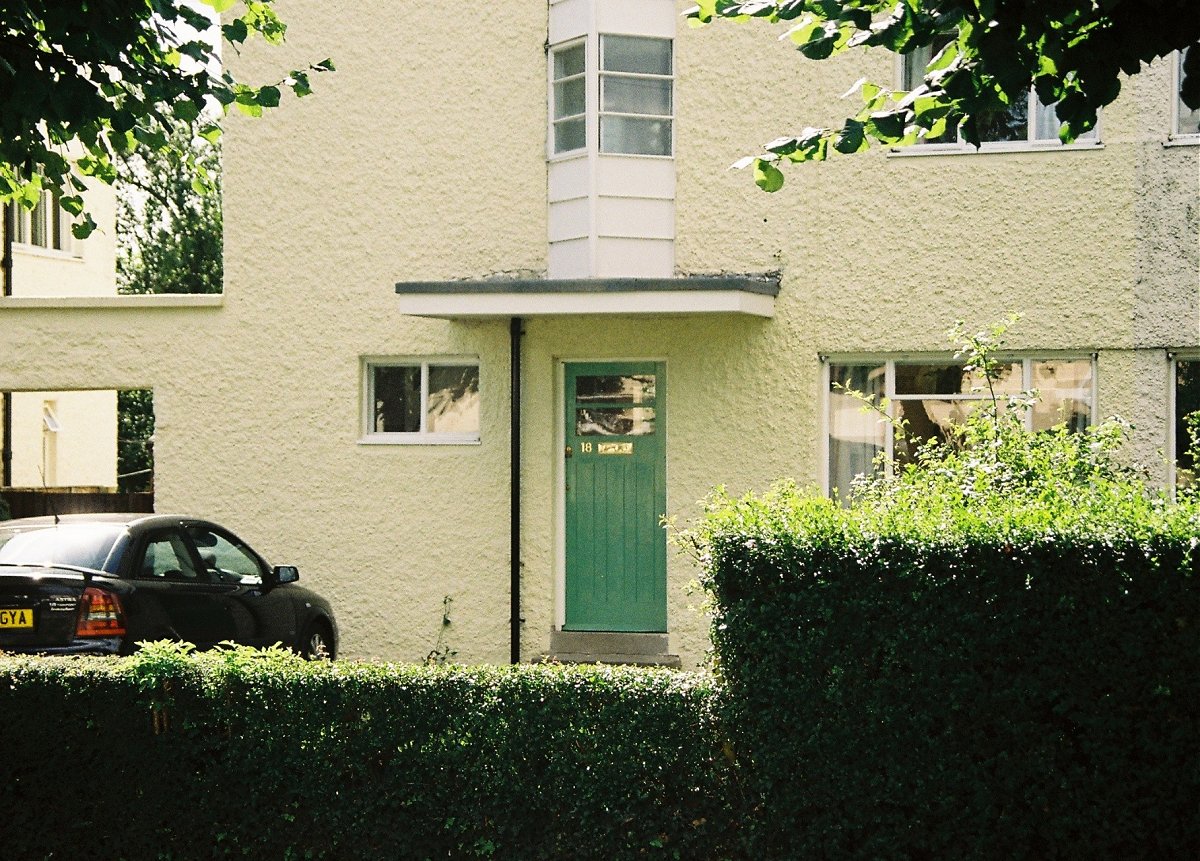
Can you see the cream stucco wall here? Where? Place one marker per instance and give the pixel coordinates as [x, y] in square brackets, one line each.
[423, 158]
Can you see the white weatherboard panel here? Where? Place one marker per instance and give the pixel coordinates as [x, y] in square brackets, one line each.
[673, 302]
[570, 259]
[634, 258]
[569, 19]
[570, 219]
[635, 176]
[635, 218]
[568, 179]
[637, 17]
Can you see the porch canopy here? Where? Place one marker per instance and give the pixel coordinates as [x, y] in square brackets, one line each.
[537, 297]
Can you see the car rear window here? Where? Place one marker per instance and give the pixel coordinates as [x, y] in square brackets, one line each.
[74, 545]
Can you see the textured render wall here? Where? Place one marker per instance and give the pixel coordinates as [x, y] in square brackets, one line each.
[422, 157]
[880, 253]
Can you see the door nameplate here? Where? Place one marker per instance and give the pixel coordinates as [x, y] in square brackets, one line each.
[614, 448]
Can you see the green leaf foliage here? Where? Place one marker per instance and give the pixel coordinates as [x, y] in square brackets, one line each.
[258, 754]
[169, 217]
[1073, 51]
[104, 78]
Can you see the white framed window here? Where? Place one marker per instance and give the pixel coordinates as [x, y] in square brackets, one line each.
[568, 84]
[933, 395]
[628, 96]
[1185, 121]
[1025, 124]
[46, 226]
[1185, 401]
[421, 401]
[636, 95]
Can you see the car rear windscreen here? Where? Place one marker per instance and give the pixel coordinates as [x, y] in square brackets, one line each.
[74, 545]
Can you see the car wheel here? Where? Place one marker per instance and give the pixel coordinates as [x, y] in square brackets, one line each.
[317, 644]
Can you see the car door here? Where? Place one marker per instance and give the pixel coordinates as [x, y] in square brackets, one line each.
[259, 616]
[174, 596]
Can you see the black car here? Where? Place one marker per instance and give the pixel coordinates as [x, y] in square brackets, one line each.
[101, 583]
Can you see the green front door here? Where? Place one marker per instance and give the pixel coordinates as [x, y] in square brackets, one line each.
[616, 496]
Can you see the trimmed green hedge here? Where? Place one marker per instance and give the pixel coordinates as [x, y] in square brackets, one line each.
[993, 655]
[259, 755]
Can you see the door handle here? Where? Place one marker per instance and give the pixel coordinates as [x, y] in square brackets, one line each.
[569, 451]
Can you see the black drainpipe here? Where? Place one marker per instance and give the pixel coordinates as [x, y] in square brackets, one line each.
[514, 363]
[6, 263]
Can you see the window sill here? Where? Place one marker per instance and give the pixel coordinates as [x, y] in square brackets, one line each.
[1182, 140]
[925, 150]
[420, 439]
[48, 253]
[569, 155]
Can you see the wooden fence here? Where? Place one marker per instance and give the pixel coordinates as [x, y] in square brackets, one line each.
[38, 503]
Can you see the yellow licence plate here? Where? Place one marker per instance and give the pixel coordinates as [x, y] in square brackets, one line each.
[16, 618]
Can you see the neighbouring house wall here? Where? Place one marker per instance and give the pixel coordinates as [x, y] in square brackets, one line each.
[423, 158]
[84, 452]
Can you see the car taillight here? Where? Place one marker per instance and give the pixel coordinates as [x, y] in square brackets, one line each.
[100, 614]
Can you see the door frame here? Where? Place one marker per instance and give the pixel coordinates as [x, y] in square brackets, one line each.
[560, 473]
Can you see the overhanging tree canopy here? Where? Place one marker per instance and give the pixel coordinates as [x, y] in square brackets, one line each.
[84, 82]
[988, 54]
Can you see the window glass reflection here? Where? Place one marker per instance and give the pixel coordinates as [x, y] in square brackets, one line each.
[1064, 394]
[955, 380]
[628, 421]
[629, 389]
[453, 399]
[397, 407]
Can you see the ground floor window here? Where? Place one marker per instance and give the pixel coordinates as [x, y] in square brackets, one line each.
[1186, 398]
[424, 401]
[934, 395]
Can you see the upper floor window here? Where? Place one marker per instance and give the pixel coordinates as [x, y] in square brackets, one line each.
[629, 93]
[932, 397]
[47, 225]
[570, 97]
[1187, 64]
[636, 79]
[1025, 121]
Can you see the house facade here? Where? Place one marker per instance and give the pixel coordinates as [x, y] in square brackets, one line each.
[495, 306]
[65, 438]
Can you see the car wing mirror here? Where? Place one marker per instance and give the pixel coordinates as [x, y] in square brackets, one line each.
[281, 574]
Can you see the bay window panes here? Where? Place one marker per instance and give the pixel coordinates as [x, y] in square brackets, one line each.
[614, 421]
[636, 95]
[1187, 120]
[569, 89]
[856, 434]
[453, 399]
[1064, 394]
[637, 55]
[631, 389]
[633, 136]
[397, 401]
[1187, 402]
